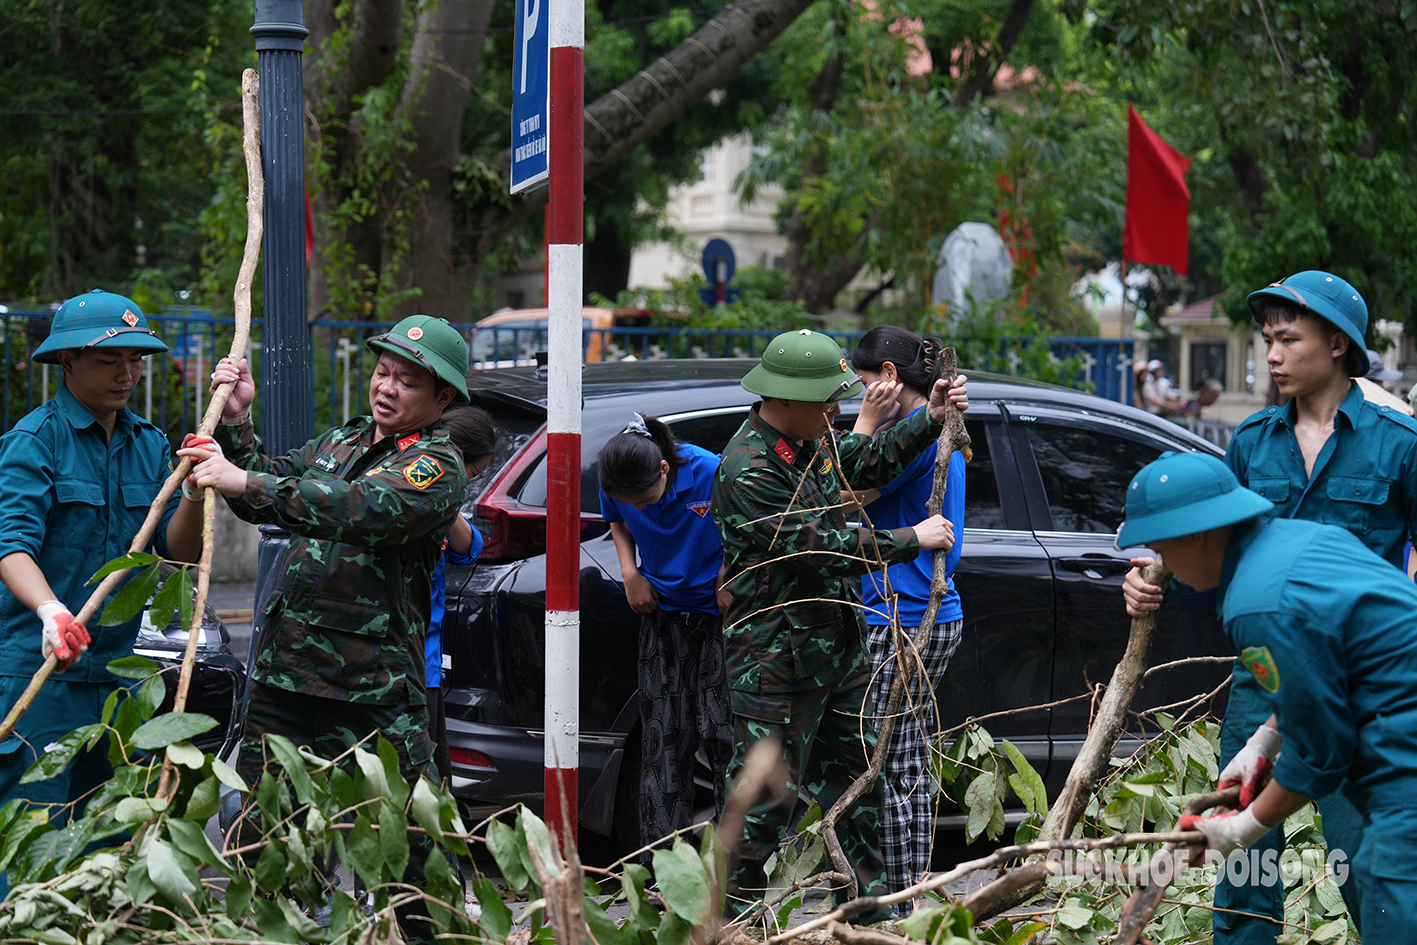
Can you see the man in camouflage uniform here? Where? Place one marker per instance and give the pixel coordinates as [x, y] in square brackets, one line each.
[797, 667]
[368, 505]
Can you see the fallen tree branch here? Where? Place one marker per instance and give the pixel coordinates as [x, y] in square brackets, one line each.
[169, 488]
[953, 438]
[1092, 760]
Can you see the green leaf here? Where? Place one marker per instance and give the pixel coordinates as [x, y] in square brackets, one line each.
[365, 854]
[501, 840]
[1037, 799]
[149, 695]
[641, 912]
[980, 800]
[189, 837]
[1074, 914]
[674, 930]
[109, 705]
[393, 839]
[426, 808]
[136, 559]
[270, 868]
[294, 765]
[496, 917]
[172, 727]
[125, 722]
[375, 783]
[140, 885]
[538, 838]
[133, 667]
[227, 775]
[682, 882]
[393, 772]
[784, 911]
[171, 873]
[238, 897]
[186, 754]
[129, 600]
[58, 756]
[204, 802]
[342, 788]
[139, 810]
[921, 924]
[164, 603]
[603, 928]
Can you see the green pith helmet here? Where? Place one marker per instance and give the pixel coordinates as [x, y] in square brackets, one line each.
[803, 365]
[1331, 298]
[98, 319]
[432, 343]
[1182, 494]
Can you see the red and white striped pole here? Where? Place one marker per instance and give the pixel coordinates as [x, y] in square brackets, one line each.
[565, 234]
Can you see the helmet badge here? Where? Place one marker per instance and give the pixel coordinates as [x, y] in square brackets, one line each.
[415, 333]
[844, 368]
[130, 319]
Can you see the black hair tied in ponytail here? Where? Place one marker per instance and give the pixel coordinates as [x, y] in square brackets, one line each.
[629, 462]
[916, 360]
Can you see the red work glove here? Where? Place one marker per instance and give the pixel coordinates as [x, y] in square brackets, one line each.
[1228, 832]
[191, 490]
[1251, 766]
[64, 636]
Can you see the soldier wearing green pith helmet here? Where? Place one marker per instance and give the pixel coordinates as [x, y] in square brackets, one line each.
[797, 664]
[368, 505]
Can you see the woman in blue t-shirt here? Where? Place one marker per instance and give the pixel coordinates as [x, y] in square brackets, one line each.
[654, 492]
[901, 368]
[472, 432]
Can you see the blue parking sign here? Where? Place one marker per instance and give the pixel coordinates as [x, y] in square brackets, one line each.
[531, 96]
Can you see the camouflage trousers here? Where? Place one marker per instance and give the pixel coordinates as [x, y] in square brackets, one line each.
[328, 727]
[683, 706]
[825, 748]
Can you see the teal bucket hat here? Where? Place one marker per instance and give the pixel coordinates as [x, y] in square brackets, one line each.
[803, 365]
[1182, 494]
[1330, 297]
[431, 343]
[98, 319]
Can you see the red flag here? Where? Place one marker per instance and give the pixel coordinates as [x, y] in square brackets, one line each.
[1157, 199]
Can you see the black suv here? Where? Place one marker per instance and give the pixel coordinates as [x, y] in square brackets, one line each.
[1039, 578]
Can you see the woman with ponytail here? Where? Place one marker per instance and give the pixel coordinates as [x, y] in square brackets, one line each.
[900, 368]
[654, 492]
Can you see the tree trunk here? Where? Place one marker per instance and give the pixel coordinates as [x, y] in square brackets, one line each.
[977, 73]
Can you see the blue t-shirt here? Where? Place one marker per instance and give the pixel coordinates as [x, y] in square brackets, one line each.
[902, 503]
[680, 548]
[433, 645]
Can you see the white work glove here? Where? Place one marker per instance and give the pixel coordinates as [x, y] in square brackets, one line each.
[1228, 832]
[63, 636]
[192, 440]
[1251, 766]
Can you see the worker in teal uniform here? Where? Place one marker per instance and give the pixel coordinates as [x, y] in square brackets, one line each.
[1327, 456]
[78, 476]
[1326, 631]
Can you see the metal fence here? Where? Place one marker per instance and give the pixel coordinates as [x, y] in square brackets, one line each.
[173, 392]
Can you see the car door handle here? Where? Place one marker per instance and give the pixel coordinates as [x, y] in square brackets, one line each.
[1101, 565]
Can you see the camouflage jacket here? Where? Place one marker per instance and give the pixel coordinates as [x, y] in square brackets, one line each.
[367, 522]
[787, 557]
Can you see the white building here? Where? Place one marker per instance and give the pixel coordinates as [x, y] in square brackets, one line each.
[710, 208]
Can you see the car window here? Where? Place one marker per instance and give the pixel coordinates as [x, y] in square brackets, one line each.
[710, 431]
[1085, 473]
[982, 506]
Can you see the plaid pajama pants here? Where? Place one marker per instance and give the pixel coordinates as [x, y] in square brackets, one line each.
[908, 821]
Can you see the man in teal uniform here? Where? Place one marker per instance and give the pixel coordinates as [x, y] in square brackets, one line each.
[368, 504]
[798, 668]
[1327, 456]
[77, 477]
[1326, 631]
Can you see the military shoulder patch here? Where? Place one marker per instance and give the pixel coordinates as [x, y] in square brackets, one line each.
[408, 441]
[826, 463]
[423, 472]
[1261, 665]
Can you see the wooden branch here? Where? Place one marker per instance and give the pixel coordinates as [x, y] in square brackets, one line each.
[953, 438]
[854, 936]
[1138, 910]
[1092, 761]
[250, 90]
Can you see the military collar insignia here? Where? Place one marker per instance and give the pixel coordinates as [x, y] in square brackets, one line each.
[782, 449]
[1260, 663]
[423, 472]
[409, 440]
